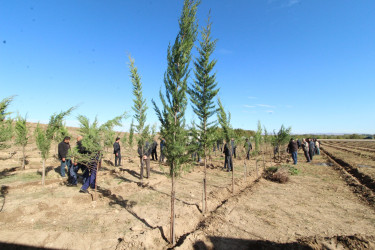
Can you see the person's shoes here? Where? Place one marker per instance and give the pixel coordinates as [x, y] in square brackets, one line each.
[71, 185]
[84, 191]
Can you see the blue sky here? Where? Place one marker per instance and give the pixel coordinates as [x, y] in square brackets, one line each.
[309, 64]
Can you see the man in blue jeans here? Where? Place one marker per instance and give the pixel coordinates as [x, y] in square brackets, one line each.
[90, 180]
[63, 149]
[292, 149]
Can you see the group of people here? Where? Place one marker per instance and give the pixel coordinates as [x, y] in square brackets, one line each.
[88, 170]
[309, 146]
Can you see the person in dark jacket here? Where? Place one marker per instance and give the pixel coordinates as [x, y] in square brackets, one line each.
[144, 156]
[117, 151]
[305, 148]
[299, 143]
[234, 146]
[154, 153]
[311, 148]
[63, 149]
[162, 148]
[91, 179]
[292, 149]
[248, 147]
[228, 158]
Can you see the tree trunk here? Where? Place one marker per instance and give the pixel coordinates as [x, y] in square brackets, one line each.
[172, 233]
[23, 158]
[44, 172]
[99, 162]
[232, 176]
[204, 205]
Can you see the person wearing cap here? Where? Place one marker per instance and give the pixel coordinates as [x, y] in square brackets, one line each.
[117, 152]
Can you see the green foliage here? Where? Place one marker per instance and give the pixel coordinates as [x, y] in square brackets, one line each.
[204, 89]
[131, 135]
[21, 131]
[44, 137]
[282, 137]
[94, 137]
[56, 123]
[4, 104]
[140, 106]
[174, 101]
[43, 141]
[6, 124]
[224, 121]
[258, 137]
[61, 133]
[266, 137]
[240, 133]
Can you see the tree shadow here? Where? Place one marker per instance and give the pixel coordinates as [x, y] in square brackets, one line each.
[109, 162]
[49, 169]
[131, 172]
[238, 244]
[15, 246]
[3, 192]
[128, 205]
[8, 172]
[184, 202]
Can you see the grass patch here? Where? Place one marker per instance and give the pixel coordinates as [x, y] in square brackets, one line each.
[23, 177]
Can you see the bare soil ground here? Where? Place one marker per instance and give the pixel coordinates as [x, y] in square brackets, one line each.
[315, 208]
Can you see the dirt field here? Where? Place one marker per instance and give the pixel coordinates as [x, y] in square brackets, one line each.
[315, 208]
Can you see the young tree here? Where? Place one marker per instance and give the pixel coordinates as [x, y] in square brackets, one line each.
[281, 138]
[175, 100]
[140, 108]
[131, 135]
[224, 121]
[258, 137]
[93, 143]
[21, 136]
[6, 124]
[202, 94]
[44, 137]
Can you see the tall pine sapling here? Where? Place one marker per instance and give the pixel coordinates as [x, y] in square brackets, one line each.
[224, 121]
[22, 136]
[258, 137]
[202, 95]
[140, 108]
[174, 101]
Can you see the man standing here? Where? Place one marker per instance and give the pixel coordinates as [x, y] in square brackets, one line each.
[248, 147]
[117, 152]
[305, 147]
[292, 149]
[311, 148]
[228, 157]
[154, 154]
[233, 144]
[63, 149]
[162, 148]
[144, 156]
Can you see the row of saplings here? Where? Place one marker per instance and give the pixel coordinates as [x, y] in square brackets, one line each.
[171, 114]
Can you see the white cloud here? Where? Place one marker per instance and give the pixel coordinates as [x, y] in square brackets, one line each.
[265, 106]
[269, 111]
[248, 106]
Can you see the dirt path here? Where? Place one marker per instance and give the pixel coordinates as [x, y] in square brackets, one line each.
[314, 203]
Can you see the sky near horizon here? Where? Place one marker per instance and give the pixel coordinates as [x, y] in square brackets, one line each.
[308, 64]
